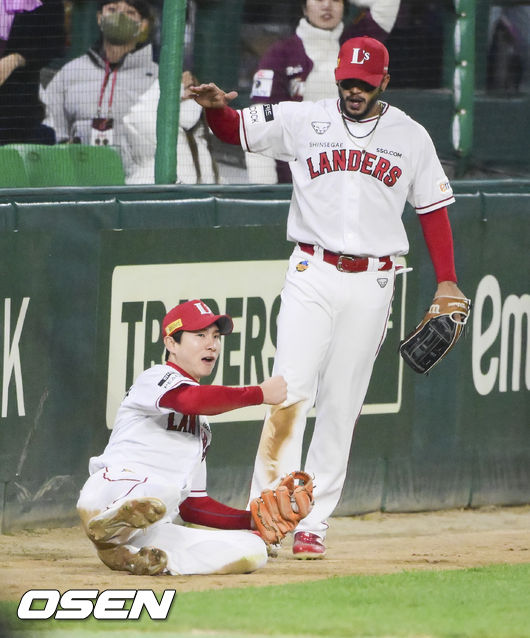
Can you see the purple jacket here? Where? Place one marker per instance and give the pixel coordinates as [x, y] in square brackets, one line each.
[291, 66]
[290, 63]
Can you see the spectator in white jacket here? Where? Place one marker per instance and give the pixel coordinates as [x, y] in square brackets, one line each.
[88, 98]
[195, 164]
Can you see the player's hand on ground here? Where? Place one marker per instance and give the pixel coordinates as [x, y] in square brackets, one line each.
[210, 96]
[274, 390]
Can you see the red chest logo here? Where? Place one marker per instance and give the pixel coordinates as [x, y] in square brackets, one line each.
[353, 160]
[188, 423]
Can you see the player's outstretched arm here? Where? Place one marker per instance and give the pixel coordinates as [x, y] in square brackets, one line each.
[274, 390]
[210, 96]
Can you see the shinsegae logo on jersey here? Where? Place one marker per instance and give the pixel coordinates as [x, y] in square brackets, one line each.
[320, 127]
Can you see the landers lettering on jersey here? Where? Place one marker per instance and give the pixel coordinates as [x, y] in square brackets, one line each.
[188, 423]
[354, 160]
[191, 424]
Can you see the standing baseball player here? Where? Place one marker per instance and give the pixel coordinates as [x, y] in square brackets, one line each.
[155, 459]
[355, 162]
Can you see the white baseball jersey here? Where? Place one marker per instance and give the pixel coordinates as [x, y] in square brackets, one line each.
[351, 179]
[144, 433]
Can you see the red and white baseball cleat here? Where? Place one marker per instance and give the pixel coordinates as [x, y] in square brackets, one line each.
[308, 546]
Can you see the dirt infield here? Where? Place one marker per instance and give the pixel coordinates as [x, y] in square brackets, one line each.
[371, 544]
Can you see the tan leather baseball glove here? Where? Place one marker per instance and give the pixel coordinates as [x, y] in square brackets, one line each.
[436, 334]
[277, 512]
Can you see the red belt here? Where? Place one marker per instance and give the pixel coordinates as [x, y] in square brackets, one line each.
[347, 263]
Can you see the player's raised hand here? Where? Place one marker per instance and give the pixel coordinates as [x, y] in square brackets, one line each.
[210, 96]
[274, 390]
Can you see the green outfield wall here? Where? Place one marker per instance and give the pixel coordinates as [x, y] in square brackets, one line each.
[88, 274]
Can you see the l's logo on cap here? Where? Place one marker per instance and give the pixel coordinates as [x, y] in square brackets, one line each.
[359, 56]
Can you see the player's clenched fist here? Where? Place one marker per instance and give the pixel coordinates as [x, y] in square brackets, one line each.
[274, 390]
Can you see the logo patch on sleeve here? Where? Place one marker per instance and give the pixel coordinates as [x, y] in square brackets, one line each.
[167, 380]
[445, 186]
[268, 113]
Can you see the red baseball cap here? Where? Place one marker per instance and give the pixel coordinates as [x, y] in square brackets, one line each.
[363, 59]
[194, 315]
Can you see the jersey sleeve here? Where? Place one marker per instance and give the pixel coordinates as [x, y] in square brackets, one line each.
[430, 189]
[224, 124]
[267, 129]
[439, 239]
[146, 392]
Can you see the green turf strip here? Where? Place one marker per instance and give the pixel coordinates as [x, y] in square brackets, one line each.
[489, 602]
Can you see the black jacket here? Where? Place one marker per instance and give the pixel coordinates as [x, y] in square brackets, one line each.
[39, 36]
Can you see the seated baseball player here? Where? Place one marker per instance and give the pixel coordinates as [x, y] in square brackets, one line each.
[153, 467]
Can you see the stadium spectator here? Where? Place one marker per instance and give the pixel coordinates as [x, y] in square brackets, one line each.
[31, 35]
[301, 66]
[88, 98]
[416, 44]
[195, 164]
[509, 49]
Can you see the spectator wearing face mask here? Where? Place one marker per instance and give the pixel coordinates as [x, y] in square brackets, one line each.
[88, 98]
[301, 66]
